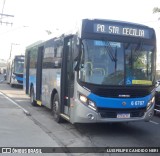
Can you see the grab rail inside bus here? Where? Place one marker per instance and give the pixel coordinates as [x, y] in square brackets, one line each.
[99, 70]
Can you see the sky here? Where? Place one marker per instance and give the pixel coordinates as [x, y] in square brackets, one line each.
[33, 17]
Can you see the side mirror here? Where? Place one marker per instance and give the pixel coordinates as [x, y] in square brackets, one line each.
[76, 52]
[157, 84]
[75, 65]
[76, 48]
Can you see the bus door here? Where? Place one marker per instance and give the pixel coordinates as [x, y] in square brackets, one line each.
[27, 64]
[39, 73]
[67, 76]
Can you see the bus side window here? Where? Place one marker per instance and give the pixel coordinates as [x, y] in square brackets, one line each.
[58, 57]
[48, 58]
[33, 58]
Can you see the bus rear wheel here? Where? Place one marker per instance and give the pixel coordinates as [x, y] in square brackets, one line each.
[56, 109]
[32, 97]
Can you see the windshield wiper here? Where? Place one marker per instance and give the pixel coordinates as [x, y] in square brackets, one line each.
[110, 51]
[139, 49]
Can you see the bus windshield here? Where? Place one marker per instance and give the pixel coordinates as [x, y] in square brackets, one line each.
[116, 63]
[18, 66]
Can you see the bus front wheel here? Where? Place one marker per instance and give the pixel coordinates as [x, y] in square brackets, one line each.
[56, 109]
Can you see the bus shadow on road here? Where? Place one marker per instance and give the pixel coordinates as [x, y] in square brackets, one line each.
[157, 114]
[112, 128]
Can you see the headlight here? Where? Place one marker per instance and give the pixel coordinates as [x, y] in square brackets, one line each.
[150, 103]
[87, 102]
[83, 98]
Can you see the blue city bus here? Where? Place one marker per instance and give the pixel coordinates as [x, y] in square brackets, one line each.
[103, 72]
[15, 68]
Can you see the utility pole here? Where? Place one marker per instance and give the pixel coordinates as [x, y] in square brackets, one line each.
[5, 15]
[11, 49]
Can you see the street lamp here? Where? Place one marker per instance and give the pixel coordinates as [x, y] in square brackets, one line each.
[11, 48]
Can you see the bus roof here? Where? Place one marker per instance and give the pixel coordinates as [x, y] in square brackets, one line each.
[34, 44]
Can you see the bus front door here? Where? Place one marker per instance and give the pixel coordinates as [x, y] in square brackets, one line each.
[67, 76]
[39, 73]
[27, 66]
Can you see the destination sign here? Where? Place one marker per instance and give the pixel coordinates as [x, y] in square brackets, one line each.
[121, 30]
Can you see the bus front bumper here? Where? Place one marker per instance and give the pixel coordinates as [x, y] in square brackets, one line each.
[83, 114]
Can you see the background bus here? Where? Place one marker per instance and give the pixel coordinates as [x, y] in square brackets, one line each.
[105, 72]
[15, 68]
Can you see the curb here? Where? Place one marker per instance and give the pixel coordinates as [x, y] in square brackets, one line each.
[13, 102]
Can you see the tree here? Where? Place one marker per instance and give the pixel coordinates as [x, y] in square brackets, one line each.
[156, 10]
[48, 32]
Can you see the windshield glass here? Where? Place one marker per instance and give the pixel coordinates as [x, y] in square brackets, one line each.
[18, 66]
[116, 63]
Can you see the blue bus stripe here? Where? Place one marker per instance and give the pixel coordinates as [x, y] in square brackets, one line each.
[19, 78]
[106, 102]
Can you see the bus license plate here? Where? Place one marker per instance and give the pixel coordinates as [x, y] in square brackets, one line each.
[123, 115]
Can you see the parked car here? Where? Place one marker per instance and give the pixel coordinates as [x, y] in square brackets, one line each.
[157, 99]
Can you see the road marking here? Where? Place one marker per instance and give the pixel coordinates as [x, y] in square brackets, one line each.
[154, 122]
[24, 110]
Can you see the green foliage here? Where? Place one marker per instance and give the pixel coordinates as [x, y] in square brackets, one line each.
[156, 10]
[48, 32]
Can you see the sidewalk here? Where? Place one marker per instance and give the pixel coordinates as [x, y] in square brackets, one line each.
[18, 130]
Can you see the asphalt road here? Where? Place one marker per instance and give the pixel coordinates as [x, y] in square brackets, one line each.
[134, 134]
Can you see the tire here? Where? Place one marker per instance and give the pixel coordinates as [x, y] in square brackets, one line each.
[32, 97]
[56, 109]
